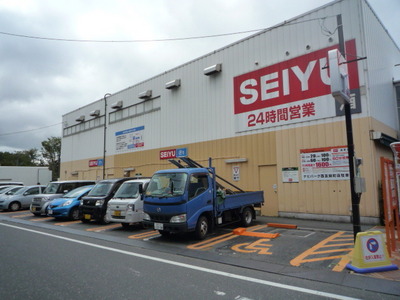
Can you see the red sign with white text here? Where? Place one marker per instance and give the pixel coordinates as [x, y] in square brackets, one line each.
[301, 78]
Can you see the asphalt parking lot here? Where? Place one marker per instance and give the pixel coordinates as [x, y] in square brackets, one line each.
[306, 249]
[314, 248]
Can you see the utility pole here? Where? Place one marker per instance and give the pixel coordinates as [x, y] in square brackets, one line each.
[355, 199]
[105, 134]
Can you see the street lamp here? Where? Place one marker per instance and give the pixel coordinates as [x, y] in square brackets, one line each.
[105, 134]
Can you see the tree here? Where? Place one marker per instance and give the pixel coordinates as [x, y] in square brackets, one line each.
[51, 152]
[19, 158]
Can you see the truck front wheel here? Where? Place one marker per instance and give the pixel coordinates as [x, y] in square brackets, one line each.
[247, 217]
[201, 228]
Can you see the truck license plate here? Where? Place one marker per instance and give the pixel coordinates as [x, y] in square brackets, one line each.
[158, 226]
[117, 213]
[88, 217]
[33, 208]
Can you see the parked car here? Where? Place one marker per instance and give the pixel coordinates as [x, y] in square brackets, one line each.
[55, 189]
[21, 198]
[5, 188]
[68, 205]
[10, 190]
[94, 205]
[126, 207]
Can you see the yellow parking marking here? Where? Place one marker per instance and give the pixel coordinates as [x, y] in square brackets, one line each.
[42, 219]
[103, 228]
[22, 215]
[258, 246]
[329, 244]
[143, 235]
[67, 223]
[207, 244]
[343, 262]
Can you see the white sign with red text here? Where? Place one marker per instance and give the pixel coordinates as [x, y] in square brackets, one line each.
[292, 91]
[328, 163]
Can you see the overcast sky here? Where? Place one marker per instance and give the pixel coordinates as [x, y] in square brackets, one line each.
[41, 79]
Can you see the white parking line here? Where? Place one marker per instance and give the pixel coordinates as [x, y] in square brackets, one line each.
[184, 265]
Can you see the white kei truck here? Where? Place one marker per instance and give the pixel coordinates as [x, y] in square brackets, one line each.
[126, 207]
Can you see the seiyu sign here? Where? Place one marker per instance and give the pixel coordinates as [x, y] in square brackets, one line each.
[292, 91]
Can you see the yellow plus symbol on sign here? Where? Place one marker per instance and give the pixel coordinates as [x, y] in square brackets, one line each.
[257, 246]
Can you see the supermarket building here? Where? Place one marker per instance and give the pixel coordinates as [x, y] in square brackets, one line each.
[262, 109]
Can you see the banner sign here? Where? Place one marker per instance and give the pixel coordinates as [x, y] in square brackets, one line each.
[95, 163]
[129, 139]
[328, 163]
[292, 91]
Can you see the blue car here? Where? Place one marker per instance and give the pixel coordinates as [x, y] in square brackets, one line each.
[67, 207]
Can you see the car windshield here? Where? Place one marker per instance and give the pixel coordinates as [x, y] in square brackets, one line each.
[51, 188]
[167, 185]
[76, 192]
[128, 190]
[101, 189]
[14, 190]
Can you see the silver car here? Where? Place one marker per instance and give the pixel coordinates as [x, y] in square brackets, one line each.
[21, 198]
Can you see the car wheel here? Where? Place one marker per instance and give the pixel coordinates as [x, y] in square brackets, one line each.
[74, 214]
[164, 233]
[247, 217]
[14, 206]
[104, 220]
[201, 228]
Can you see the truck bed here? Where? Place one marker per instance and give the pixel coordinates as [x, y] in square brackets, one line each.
[240, 200]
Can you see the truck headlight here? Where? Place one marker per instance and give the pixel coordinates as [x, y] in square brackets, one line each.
[130, 207]
[178, 219]
[100, 202]
[146, 217]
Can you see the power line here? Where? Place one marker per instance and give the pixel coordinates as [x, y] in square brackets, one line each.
[127, 41]
[29, 130]
[322, 25]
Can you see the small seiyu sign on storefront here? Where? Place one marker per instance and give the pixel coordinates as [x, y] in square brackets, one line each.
[328, 163]
[293, 91]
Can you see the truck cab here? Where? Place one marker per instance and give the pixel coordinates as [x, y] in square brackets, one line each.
[126, 207]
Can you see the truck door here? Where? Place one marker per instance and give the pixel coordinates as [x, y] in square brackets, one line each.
[199, 197]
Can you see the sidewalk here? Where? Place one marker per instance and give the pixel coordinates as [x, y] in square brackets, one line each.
[323, 225]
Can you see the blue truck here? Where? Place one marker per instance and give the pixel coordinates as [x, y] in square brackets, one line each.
[189, 199]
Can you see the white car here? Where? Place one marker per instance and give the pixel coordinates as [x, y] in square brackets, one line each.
[126, 207]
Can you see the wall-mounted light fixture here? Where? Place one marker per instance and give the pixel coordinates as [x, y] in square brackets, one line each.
[173, 84]
[80, 119]
[117, 105]
[95, 113]
[145, 95]
[74, 173]
[235, 160]
[213, 69]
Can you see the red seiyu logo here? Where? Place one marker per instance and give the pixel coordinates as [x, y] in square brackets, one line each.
[300, 78]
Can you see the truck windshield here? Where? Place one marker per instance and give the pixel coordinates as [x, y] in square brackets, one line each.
[128, 190]
[167, 185]
[101, 189]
